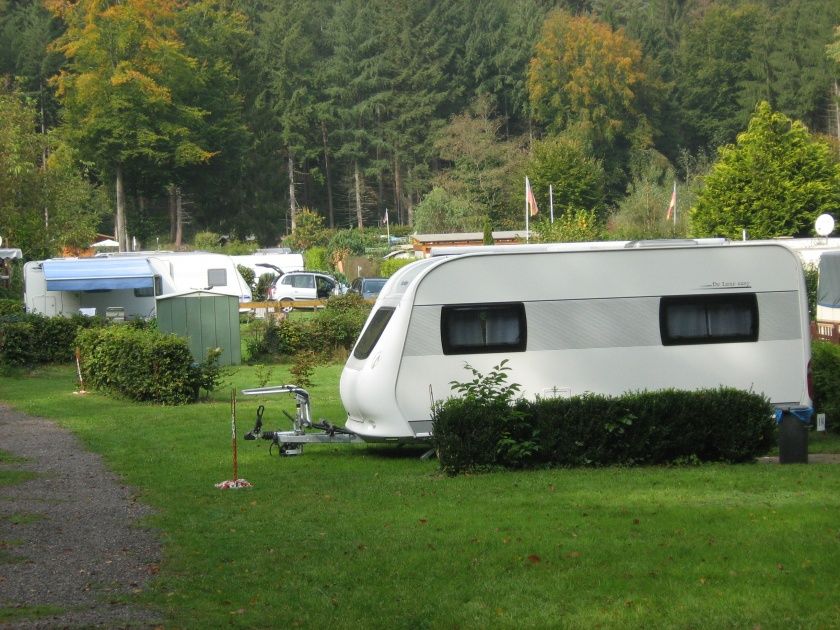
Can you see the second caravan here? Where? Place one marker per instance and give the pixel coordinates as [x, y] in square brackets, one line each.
[128, 283]
[570, 322]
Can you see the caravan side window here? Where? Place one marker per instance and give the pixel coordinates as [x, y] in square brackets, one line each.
[373, 332]
[481, 328]
[695, 319]
[217, 277]
[149, 291]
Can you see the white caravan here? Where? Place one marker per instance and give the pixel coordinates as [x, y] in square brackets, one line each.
[126, 284]
[642, 316]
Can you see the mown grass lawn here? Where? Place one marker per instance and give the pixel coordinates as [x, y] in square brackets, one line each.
[374, 537]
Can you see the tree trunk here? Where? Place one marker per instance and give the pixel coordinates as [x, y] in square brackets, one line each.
[358, 185]
[292, 199]
[837, 113]
[380, 180]
[179, 217]
[330, 210]
[119, 219]
[398, 206]
[410, 207]
[173, 213]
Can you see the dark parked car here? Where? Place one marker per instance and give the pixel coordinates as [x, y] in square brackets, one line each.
[368, 288]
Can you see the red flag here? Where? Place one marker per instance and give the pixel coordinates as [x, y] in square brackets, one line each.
[529, 196]
[672, 207]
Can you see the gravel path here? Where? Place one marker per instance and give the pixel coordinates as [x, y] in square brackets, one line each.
[69, 538]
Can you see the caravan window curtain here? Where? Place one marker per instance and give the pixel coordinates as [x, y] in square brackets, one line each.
[483, 328]
[696, 319]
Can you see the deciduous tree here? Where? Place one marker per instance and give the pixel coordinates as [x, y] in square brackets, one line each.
[588, 78]
[43, 206]
[576, 178]
[125, 64]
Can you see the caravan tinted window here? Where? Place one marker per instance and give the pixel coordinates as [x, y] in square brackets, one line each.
[373, 332]
[708, 319]
[479, 328]
[149, 291]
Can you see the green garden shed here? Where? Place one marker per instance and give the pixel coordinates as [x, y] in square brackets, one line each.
[206, 320]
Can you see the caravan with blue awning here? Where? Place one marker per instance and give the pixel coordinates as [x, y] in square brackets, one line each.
[126, 283]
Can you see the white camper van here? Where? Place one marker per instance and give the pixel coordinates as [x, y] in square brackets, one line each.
[125, 284]
[635, 317]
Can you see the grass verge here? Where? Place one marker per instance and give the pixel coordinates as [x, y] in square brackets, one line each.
[372, 536]
[11, 614]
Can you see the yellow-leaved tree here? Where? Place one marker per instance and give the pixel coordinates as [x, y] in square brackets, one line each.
[124, 91]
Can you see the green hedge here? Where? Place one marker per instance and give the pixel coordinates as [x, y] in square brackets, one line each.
[29, 339]
[139, 364]
[637, 428]
[333, 328]
[825, 372]
[389, 267]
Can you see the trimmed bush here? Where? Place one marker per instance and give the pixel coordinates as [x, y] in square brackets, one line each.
[143, 365]
[481, 432]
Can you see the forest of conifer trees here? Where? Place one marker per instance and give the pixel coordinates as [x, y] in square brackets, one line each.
[234, 116]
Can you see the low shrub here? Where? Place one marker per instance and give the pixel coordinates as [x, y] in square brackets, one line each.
[10, 306]
[339, 324]
[333, 329]
[486, 428]
[144, 365]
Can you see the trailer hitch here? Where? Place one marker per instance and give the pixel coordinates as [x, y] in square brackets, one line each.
[291, 442]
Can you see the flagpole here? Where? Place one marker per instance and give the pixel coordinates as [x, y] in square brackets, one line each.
[388, 227]
[527, 232]
[551, 201]
[675, 203]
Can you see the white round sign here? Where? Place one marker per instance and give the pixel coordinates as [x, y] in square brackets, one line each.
[824, 224]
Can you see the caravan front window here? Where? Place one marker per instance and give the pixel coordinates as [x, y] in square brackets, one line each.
[373, 332]
[217, 277]
[481, 328]
[708, 319]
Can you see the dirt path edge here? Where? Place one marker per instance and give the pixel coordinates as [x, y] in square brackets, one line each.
[70, 537]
